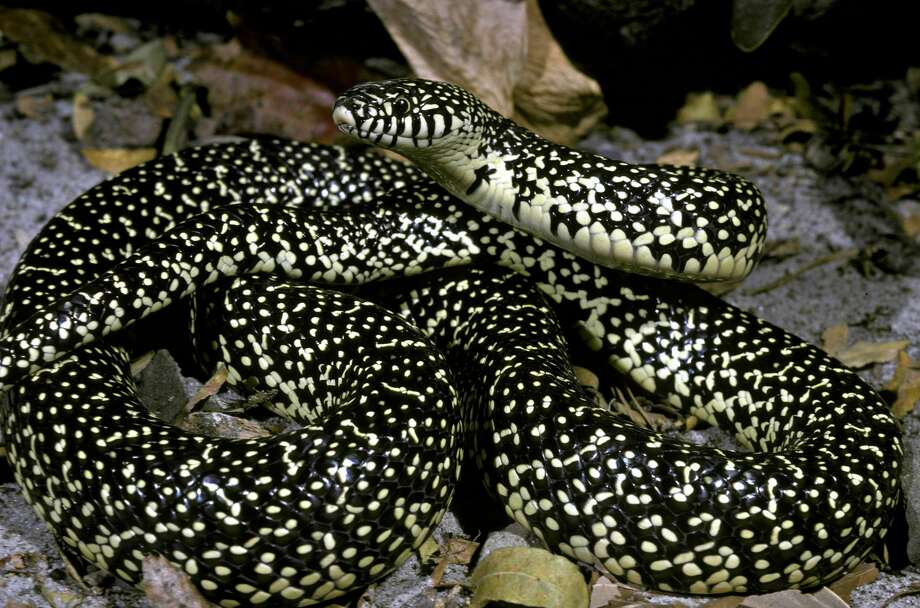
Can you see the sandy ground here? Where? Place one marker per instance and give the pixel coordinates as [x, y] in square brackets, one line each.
[41, 170]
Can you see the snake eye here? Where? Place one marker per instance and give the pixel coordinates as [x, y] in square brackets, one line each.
[401, 107]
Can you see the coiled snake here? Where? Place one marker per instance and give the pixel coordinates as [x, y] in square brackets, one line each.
[387, 409]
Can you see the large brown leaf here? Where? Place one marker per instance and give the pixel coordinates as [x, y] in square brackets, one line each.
[502, 51]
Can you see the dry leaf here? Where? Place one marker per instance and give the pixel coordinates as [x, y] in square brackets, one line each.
[603, 591]
[729, 601]
[861, 354]
[34, 106]
[752, 107]
[679, 157]
[793, 598]
[835, 338]
[586, 377]
[782, 248]
[108, 23]
[142, 65]
[167, 585]
[606, 593]
[528, 576]
[721, 288]
[219, 424]
[503, 52]
[699, 108]
[427, 549]
[140, 363]
[82, 116]
[908, 216]
[46, 40]
[456, 551]
[459, 550]
[553, 97]
[863, 574]
[7, 59]
[890, 176]
[801, 129]
[898, 191]
[249, 93]
[479, 45]
[160, 96]
[905, 383]
[209, 388]
[630, 406]
[116, 160]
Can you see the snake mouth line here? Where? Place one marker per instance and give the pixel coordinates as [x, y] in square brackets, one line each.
[344, 118]
[346, 122]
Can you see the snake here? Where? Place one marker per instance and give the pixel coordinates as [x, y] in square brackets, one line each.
[416, 320]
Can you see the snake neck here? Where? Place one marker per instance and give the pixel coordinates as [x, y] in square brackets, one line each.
[484, 168]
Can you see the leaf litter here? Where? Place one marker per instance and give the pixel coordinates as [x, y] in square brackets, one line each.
[233, 79]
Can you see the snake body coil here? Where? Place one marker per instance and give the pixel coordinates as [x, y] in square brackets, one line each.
[308, 515]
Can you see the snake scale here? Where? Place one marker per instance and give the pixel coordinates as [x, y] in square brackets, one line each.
[467, 360]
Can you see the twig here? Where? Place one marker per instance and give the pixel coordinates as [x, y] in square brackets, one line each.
[842, 255]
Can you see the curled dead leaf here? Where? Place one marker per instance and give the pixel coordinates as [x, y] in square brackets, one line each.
[529, 577]
[116, 160]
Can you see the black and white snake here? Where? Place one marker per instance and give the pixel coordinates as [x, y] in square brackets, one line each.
[471, 362]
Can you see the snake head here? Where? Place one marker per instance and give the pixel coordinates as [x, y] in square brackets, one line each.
[408, 115]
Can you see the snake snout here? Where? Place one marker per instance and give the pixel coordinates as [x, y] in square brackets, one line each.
[344, 117]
